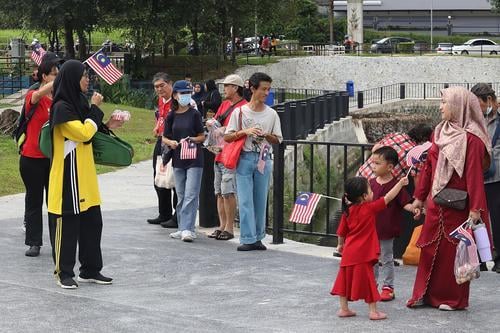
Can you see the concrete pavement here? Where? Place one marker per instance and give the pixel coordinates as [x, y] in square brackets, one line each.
[165, 285]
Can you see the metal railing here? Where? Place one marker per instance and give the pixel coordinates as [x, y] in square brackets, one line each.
[318, 167]
[400, 91]
[15, 74]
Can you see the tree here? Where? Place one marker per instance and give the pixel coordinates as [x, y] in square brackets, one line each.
[495, 5]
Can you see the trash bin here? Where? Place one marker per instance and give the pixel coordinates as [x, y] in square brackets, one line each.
[208, 216]
[349, 86]
[270, 98]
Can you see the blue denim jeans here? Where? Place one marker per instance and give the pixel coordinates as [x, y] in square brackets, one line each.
[187, 184]
[252, 188]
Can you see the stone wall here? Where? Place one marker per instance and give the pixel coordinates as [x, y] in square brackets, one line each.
[331, 72]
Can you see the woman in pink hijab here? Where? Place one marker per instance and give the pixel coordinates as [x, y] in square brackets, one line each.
[459, 154]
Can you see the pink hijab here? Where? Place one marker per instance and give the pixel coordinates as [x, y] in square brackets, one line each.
[451, 135]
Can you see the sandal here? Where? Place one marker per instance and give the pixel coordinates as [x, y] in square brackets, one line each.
[225, 235]
[215, 234]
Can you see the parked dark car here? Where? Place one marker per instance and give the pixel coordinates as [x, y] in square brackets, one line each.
[389, 44]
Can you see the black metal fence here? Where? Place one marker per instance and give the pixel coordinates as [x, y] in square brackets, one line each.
[399, 91]
[309, 166]
[15, 74]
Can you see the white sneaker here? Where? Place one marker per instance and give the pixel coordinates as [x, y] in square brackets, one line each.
[186, 236]
[176, 235]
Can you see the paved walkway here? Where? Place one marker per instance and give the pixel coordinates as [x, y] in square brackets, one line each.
[165, 285]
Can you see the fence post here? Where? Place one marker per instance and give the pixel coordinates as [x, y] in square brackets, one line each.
[446, 85]
[278, 192]
[281, 95]
[402, 91]
[424, 91]
[381, 95]
[360, 100]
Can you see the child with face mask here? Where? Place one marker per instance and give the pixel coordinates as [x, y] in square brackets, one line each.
[184, 134]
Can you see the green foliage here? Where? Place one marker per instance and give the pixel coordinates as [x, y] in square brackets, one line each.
[406, 47]
[121, 93]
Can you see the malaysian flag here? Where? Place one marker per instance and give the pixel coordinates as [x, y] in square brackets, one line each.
[37, 53]
[417, 154]
[264, 153]
[188, 150]
[103, 66]
[304, 207]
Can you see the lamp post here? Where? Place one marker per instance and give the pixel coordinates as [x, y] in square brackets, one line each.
[432, 23]
[449, 25]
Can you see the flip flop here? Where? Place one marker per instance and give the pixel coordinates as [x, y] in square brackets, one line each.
[215, 234]
[225, 235]
[377, 315]
[345, 313]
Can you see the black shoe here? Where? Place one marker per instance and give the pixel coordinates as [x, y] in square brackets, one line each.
[169, 224]
[247, 247]
[33, 251]
[483, 267]
[157, 220]
[98, 278]
[67, 283]
[260, 246]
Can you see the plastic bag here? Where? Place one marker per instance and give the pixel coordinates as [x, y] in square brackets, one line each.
[466, 260]
[214, 141]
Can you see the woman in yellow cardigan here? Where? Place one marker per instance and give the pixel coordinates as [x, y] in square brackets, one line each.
[74, 201]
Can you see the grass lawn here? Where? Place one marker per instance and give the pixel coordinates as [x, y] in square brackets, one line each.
[98, 37]
[138, 132]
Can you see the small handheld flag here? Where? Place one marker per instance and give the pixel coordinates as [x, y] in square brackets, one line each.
[417, 154]
[188, 149]
[103, 66]
[37, 53]
[304, 207]
[264, 152]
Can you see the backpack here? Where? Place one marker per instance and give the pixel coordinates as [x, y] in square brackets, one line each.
[19, 133]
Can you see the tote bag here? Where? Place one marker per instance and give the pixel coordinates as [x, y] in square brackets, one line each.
[164, 178]
[230, 154]
[412, 253]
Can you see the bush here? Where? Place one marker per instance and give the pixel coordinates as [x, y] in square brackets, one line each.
[405, 47]
[121, 93]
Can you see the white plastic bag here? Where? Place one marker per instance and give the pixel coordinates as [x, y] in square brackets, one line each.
[466, 260]
[164, 176]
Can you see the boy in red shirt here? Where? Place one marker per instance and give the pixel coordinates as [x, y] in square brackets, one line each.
[384, 160]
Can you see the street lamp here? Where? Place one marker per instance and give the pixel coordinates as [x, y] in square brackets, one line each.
[449, 25]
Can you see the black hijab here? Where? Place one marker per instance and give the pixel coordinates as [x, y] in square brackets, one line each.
[69, 102]
[199, 96]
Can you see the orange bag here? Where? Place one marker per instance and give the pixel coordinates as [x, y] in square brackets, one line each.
[412, 252]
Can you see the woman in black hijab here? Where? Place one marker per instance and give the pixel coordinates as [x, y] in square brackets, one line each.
[199, 95]
[74, 201]
[212, 100]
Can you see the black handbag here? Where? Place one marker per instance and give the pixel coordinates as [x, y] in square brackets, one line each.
[451, 198]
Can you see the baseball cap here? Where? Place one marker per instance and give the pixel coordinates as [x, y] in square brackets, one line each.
[182, 86]
[234, 80]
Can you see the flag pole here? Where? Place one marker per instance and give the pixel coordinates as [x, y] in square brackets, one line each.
[408, 173]
[93, 55]
[328, 197]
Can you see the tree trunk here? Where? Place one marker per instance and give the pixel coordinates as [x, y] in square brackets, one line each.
[82, 48]
[194, 33]
[69, 43]
[330, 18]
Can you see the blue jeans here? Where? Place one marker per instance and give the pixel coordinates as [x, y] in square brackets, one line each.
[187, 184]
[252, 188]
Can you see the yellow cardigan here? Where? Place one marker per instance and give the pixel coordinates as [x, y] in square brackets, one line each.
[73, 184]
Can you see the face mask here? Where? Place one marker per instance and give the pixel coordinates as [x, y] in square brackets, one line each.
[489, 109]
[184, 99]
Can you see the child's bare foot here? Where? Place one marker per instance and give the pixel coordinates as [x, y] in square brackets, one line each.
[377, 315]
[345, 313]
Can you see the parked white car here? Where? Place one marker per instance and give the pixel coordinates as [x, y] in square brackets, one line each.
[444, 48]
[478, 46]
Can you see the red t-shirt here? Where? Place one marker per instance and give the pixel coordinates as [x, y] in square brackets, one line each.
[361, 241]
[163, 110]
[389, 220]
[40, 117]
[223, 108]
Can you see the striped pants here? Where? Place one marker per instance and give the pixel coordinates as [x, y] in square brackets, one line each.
[66, 232]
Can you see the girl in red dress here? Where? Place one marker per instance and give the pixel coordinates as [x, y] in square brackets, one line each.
[459, 154]
[359, 245]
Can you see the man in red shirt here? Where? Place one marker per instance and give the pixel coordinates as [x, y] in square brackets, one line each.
[163, 88]
[224, 180]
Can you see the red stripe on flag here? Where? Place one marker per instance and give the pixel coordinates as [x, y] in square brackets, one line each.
[110, 73]
[303, 213]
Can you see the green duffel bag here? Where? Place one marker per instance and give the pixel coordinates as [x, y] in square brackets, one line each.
[107, 147]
